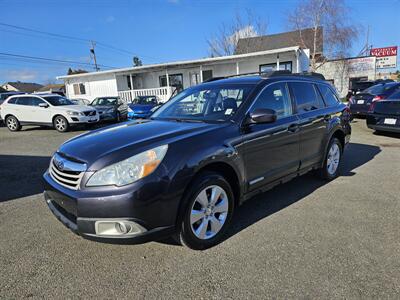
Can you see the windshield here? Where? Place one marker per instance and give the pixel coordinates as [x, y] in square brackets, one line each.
[58, 100]
[216, 103]
[379, 88]
[145, 100]
[105, 101]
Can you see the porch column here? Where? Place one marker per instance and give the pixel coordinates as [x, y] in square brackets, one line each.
[131, 80]
[297, 61]
[237, 68]
[277, 62]
[201, 73]
[168, 88]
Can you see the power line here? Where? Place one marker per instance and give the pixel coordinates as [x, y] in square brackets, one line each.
[52, 60]
[56, 35]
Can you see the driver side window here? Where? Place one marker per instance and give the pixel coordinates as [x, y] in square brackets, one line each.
[275, 97]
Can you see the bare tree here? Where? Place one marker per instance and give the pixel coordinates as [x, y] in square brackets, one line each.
[225, 40]
[328, 15]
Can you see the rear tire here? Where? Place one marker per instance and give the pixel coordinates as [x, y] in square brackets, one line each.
[208, 212]
[332, 161]
[13, 124]
[61, 124]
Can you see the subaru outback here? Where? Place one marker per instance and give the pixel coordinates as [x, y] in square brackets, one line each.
[184, 171]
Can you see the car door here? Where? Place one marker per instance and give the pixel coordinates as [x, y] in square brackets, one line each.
[23, 109]
[40, 114]
[272, 150]
[314, 120]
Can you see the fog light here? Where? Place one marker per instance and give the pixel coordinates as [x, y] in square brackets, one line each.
[118, 228]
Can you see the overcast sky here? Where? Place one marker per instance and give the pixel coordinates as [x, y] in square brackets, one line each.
[156, 31]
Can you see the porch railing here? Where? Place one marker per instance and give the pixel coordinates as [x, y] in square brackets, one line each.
[164, 93]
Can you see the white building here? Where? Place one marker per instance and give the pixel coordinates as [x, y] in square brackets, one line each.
[343, 72]
[162, 79]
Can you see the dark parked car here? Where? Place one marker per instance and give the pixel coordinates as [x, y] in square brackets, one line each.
[362, 103]
[111, 108]
[386, 114]
[142, 107]
[185, 170]
[359, 86]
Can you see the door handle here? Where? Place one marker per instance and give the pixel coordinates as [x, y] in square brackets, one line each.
[293, 127]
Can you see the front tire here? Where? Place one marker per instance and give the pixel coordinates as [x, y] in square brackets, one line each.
[61, 124]
[13, 123]
[333, 159]
[208, 212]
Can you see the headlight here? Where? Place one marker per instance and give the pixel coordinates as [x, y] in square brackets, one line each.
[110, 110]
[74, 113]
[129, 170]
[130, 109]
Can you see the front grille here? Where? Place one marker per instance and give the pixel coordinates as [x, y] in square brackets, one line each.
[67, 178]
[90, 113]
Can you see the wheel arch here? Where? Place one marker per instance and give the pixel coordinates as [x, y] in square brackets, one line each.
[222, 168]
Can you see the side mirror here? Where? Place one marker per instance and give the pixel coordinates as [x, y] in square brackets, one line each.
[261, 116]
[44, 105]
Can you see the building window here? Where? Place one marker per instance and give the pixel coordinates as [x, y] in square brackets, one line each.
[283, 66]
[175, 80]
[207, 74]
[128, 78]
[79, 89]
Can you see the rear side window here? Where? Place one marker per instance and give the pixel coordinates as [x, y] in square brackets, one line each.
[24, 101]
[305, 96]
[328, 96]
[12, 100]
[275, 97]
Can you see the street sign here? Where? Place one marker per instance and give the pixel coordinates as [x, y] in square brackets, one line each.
[385, 57]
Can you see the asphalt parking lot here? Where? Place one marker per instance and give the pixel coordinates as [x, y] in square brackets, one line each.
[304, 239]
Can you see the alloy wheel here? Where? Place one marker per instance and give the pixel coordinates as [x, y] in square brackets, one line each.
[209, 212]
[12, 123]
[60, 124]
[333, 159]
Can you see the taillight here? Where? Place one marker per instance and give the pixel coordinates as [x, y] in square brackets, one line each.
[351, 100]
[374, 100]
[377, 98]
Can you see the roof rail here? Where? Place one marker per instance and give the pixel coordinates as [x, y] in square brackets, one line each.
[270, 74]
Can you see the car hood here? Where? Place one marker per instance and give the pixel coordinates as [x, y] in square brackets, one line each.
[79, 108]
[109, 145]
[141, 107]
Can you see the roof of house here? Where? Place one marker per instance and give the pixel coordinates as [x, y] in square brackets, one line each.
[49, 87]
[185, 63]
[303, 38]
[27, 87]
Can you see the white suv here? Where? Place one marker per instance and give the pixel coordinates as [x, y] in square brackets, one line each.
[45, 110]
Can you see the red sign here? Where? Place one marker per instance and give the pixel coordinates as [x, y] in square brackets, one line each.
[387, 51]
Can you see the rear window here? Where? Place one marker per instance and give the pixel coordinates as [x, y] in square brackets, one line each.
[305, 96]
[328, 95]
[379, 88]
[395, 95]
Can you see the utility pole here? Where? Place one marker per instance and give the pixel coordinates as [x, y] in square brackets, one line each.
[94, 55]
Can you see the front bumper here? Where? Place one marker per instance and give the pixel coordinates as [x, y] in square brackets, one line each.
[83, 119]
[79, 211]
[108, 116]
